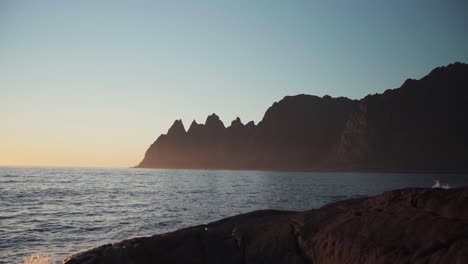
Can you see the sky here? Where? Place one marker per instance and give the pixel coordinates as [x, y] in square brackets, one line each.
[94, 83]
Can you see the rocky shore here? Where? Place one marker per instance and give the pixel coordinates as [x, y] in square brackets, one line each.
[411, 225]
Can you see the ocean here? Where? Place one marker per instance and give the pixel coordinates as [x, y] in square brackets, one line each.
[61, 211]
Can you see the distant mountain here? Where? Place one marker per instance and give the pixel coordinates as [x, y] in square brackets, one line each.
[421, 126]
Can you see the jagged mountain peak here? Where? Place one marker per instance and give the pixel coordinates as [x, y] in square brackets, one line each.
[213, 121]
[236, 123]
[177, 128]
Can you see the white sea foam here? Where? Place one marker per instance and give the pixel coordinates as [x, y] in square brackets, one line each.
[439, 185]
[38, 259]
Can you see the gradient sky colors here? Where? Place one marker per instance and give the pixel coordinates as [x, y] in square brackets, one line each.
[93, 83]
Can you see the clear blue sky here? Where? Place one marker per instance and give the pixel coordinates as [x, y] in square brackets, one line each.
[93, 83]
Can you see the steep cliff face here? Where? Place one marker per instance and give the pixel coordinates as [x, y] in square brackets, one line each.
[420, 126]
[401, 226]
[353, 148]
[299, 132]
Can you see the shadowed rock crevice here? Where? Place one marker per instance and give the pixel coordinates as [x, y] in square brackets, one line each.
[203, 249]
[438, 245]
[297, 243]
[383, 229]
[240, 244]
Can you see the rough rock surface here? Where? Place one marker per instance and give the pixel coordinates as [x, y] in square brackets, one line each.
[420, 126]
[403, 226]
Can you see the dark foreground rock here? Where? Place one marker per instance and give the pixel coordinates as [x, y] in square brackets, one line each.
[402, 226]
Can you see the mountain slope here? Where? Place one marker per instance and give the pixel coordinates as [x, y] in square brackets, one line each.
[423, 125]
[419, 126]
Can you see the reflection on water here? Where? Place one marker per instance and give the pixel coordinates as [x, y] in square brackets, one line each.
[59, 211]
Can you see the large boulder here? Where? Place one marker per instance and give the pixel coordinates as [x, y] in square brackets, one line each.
[402, 226]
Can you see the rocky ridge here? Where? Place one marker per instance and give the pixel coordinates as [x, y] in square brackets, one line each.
[420, 126]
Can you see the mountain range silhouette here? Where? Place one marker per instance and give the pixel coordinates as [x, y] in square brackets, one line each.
[421, 126]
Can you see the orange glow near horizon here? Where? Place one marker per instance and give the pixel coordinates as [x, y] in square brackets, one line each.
[62, 158]
[57, 151]
[56, 159]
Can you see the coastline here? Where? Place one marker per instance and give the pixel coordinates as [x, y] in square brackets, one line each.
[391, 227]
[339, 170]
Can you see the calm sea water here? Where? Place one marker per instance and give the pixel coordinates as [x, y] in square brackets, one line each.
[60, 211]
